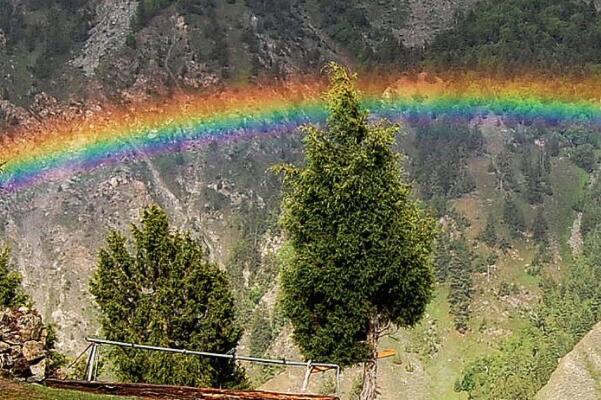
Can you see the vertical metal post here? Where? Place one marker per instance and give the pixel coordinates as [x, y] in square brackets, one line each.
[91, 361]
[337, 380]
[96, 358]
[307, 376]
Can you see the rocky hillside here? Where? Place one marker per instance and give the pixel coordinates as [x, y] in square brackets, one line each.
[57, 228]
[122, 48]
[578, 375]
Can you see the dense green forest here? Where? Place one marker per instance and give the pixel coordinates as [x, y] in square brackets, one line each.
[521, 34]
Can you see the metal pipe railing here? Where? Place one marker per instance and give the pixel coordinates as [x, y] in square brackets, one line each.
[268, 361]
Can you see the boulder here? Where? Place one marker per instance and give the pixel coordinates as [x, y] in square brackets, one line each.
[38, 371]
[33, 350]
[23, 345]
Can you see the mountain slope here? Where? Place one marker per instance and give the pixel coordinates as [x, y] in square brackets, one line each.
[468, 172]
[578, 375]
[121, 48]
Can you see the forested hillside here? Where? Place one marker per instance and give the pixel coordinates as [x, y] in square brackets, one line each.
[118, 48]
[522, 34]
[516, 203]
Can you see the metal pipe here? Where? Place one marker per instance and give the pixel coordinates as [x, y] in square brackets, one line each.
[307, 376]
[271, 361]
[91, 360]
[96, 358]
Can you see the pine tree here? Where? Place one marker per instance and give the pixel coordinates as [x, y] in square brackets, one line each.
[489, 235]
[11, 292]
[164, 292]
[540, 226]
[461, 284]
[513, 217]
[442, 255]
[362, 245]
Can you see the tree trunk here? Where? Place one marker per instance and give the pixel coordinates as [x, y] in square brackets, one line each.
[369, 391]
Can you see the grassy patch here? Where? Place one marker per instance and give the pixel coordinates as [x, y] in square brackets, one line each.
[22, 391]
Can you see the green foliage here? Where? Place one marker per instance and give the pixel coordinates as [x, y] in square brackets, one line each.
[41, 34]
[146, 10]
[535, 165]
[460, 284]
[502, 166]
[526, 361]
[441, 163]
[56, 359]
[361, 245]
[11, 21]
[541, 258]
[513, 217]
[591, 208]
[489, 235]
[261, 332]
[327, 386]
[565, 314]
[165, 293]
[584, 156]
[355, 392]
[442, 255]
[11, 292]
[250, 272]
[540, 228]
[425, 339]
[514, 34]
[130, 40]
[372, 45]
[216, 33]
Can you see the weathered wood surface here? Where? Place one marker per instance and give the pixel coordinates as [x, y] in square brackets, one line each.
[175, 392]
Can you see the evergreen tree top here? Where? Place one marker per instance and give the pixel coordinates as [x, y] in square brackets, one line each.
[362, 245]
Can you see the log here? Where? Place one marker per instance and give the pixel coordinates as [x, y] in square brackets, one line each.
[175, 392]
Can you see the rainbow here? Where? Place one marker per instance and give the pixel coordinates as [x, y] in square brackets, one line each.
[58, 147]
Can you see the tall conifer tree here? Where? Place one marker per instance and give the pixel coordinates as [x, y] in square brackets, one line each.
[362, 245]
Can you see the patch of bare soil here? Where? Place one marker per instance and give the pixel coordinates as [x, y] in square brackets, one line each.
[15, 391]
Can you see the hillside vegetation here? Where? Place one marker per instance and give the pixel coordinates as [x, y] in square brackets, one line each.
[511, 35]
[517, 205]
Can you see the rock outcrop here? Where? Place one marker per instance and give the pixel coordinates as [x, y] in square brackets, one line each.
[108, 34]
[23, 339]
[578, 375]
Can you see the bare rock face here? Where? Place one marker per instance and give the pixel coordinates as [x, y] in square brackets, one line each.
[2, 40]
[12, 115]
[23, 352]
[429, 17]
[577, 375]
[109, 33]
